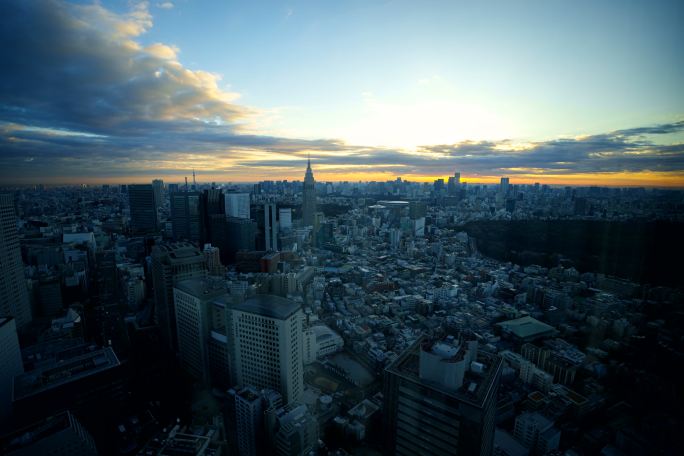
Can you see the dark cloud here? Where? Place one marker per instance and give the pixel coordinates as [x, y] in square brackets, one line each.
[81, 97]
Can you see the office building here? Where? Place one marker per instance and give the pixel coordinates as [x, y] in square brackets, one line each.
[237, 205]
[14, 298]
[61, 434]
[158, 186]
[440, 399]
[504, 186]
[292, 430]
[214, 201]
[232, 234]
[171, 263]
[187, 216]
[200, 308]
[270, 227]
[268, 345]
[249, 420]
[309, 196]
[10, 364]
[143, 206]
[85, 379]
[285, 218]
[536, 432]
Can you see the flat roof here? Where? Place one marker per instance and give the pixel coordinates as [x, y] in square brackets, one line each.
[204, 289]
[269, 306]
[406, 366]
[526, 327]
[35, 432]
[64, 371]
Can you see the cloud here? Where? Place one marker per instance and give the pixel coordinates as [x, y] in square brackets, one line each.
[82, 98]
[165, 5]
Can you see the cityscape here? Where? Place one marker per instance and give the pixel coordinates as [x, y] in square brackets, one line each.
[188, 269]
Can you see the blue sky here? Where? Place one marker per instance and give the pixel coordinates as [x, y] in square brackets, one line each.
[394, 83]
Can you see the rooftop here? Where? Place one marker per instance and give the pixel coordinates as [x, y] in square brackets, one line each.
[269, 306]
[35, 432]
[203, 289]
[63, 371]
[406, 365]
[527, 328]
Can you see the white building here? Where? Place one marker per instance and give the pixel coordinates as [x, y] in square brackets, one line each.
[320, 341]
[268, 345]
[237, 205]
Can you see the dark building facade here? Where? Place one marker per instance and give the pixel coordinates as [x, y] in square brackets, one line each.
[440, 399]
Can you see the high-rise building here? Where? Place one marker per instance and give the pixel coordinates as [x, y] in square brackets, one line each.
[14, 298]
[58, 434]
[237, 205]
[503, 187]
[285, 218]
[143, 205]
[270, 227]
[440, 399]
[158, 186]
[248, 421]
[231, 234]
[212, 255]
[214, 201]
[293, 430]
[171, 263]
[309, 196]
[187, 216]
[268, 345]
[200, 308]
[10, 364]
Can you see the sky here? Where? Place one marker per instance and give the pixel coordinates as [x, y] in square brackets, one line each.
[559, 92]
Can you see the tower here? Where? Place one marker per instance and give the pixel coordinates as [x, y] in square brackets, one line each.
[14, 297]
[309, 196]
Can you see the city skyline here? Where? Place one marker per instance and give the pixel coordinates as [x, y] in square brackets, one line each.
[115, 92]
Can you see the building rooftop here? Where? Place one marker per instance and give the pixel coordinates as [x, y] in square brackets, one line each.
[203, 289]
[64, 370]
[269, 306]
[527, 328]
[35, 432]
[476, 387]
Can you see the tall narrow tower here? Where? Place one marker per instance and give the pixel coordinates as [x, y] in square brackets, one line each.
[309, 198]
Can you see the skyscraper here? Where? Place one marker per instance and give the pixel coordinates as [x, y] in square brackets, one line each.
[186, 216]
[309, 196]
[440, 399]
[268, 345]
[200, 308]
[158, 186]
[143, 205]
[270, 227]
[503, 188]
[237, 205]
[14, 298]
[10, 364]
[172, 263]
